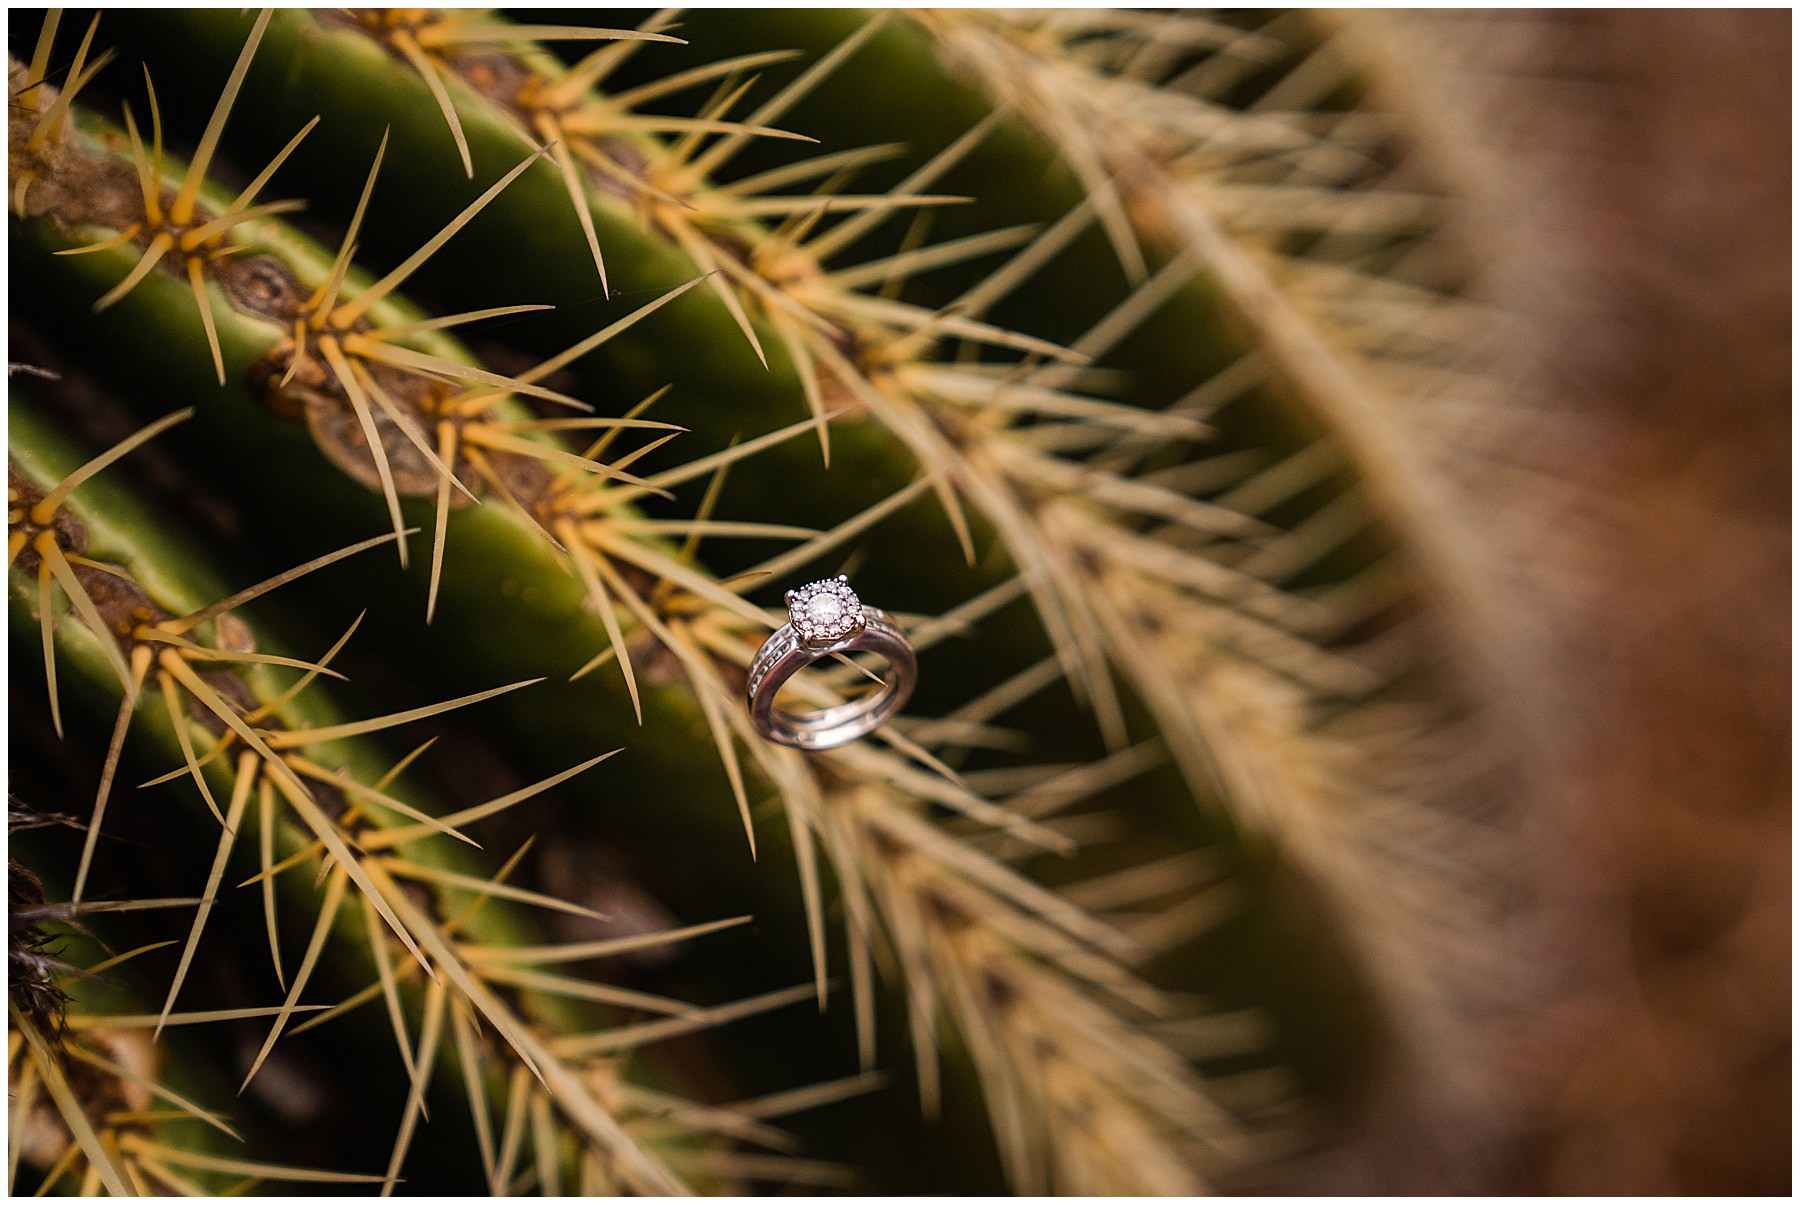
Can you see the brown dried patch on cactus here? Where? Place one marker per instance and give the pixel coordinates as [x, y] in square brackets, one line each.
[38, 116]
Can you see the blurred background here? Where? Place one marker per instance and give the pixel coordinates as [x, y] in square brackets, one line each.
[1638, 167]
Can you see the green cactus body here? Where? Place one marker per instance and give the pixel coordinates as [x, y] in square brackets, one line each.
[1130, 858]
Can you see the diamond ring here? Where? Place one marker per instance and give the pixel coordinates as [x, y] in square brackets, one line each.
[825, 618]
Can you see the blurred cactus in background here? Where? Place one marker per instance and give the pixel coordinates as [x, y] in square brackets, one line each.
[1333, 468]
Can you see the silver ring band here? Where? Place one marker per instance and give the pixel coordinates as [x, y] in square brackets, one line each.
[787, 652]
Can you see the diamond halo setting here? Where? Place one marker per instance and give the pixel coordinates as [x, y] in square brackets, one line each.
[825, 612]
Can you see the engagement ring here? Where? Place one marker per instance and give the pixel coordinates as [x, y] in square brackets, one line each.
[826, 618]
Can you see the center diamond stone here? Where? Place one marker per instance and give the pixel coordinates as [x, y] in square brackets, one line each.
[825, 612]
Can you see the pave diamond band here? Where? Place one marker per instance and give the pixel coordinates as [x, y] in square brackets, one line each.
[826, 618]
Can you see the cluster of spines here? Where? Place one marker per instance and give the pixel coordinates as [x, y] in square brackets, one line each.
[446, 975]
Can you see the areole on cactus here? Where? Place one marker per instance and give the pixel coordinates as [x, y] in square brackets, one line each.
[1091, 347]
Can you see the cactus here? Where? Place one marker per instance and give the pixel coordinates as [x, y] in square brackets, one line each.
[523, 366]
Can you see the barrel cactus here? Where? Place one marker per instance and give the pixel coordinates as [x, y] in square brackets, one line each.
[417, 417]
